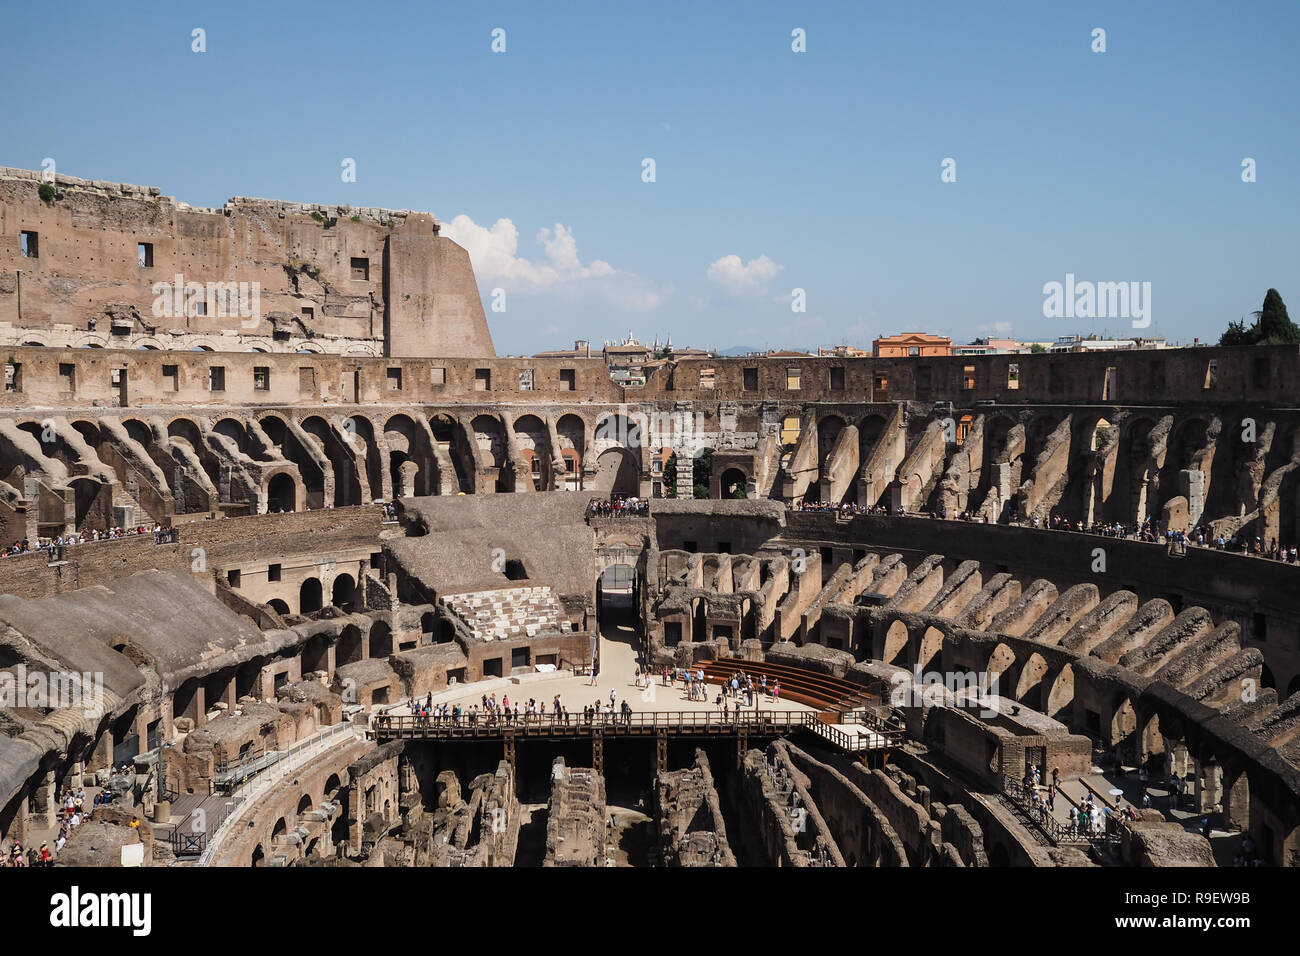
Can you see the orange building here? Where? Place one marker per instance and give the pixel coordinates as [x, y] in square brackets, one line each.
[911, 343]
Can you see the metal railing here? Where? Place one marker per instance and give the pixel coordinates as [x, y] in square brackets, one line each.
[255, 787]
[642, 723]
[1025, 799]
[636, 722]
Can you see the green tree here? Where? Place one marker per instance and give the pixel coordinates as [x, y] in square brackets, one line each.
[670, 476]
[703, 472]
[1272, 326]
[1037, 349]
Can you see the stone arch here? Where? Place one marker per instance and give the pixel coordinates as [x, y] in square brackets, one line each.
[332, 786]
[490, 438]
[1123, 723]
[1029, 686]
[1000, 667]
[90, 341]
[90, 508]
[278, 606]
[350, 646]
[616, 429]
[930, 653]
[309, 596]
[343, 592]
[258, 858]
[235, 430]
[1060, 695]
[381, 640]
[571, 431]
[828, 431]
[449, 437]
[733, 484]
[340, 454]
[535, 450]
[304, 804]
[616, 472]
[410, 461]
[281, 493]
[894, 647]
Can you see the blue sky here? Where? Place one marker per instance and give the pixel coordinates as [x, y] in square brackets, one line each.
[817, 170]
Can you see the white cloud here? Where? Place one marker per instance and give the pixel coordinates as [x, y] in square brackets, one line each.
[998, 328]
[494, 251]
[743, 278]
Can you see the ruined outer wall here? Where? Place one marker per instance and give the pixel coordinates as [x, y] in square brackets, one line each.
[1261, 376]
[434, 302]
[418, 284]
[234, 539]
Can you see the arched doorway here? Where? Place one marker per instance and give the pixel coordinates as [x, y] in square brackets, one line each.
[733, 484]
[309, 596]
[343, 593]
[281, 496]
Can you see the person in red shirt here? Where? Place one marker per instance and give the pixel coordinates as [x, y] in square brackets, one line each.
[45, 858]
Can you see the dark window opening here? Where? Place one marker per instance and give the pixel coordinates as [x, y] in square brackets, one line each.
[394, 379]
[837, 379]
[144, 254]
[568, 380]
[492, 668]
[261, 378]
[750, 379]
[217, 378]
[482, 379]
[273, 572]
[515, 571]
[360, 268]
[30, 245]
[232, 578]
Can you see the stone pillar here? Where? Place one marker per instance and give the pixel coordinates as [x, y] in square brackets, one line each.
[45, 814]
[1209, 781]
[1191, 483]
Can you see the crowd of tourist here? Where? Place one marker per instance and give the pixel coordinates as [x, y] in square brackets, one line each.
[741, 688]
[52, 545]
[844, 509]
[1201, 536]
[618, 508]
[492, 713]
[73, 812]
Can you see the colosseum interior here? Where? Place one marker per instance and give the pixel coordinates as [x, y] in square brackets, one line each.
[361, 533]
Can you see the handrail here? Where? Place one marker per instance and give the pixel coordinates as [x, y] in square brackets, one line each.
[758, 722]
[1053, 829]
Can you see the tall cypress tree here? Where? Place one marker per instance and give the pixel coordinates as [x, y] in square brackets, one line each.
[1275, 326]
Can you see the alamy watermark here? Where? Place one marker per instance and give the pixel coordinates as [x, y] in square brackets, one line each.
[56, 690]
[683, 431]
[934, 688]
[1098, 300]
[178, 299]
